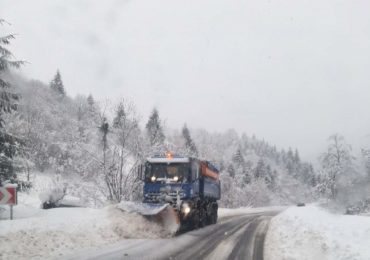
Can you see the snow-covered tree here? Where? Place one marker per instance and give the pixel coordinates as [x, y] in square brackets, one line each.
[154, 129]
[90, 100]
[121, 153]
[231, 170]
[260, 170]
[296, 157]
[57, 84]
[337, 163]
[238, 158]
[9, 144]
[366, 157]
[93, 108]
[190, 146]
[79, 140]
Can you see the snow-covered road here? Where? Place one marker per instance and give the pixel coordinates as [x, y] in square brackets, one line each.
[235, 236]
[310, 233]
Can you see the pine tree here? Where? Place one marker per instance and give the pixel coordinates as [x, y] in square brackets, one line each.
[260, 170]
[247, 178]
[120, 117]
[104, 130]
[297, 159]
[238, 158]
[290, 154]
[92, 111]
[366, 158]
[8, 99]
[154, 129]
[189, 143]
[290, 163]
[90, 100]
[81, 127]
[231, 171]
[57, 84]
[269, 179]
[9, 144]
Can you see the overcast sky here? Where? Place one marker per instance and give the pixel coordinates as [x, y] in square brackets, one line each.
[292, 72]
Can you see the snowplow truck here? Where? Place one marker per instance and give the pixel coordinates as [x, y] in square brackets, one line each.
[184, 187]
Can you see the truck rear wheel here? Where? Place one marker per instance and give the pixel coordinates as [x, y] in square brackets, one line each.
[202, 217]
[214, 213]
[210, 213]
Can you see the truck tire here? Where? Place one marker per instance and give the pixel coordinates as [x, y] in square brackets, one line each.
[215, 216]
[202, 216]
[214, 213]
[209, 214]
[194, 223]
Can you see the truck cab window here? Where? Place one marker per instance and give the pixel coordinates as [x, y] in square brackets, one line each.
[158, 172]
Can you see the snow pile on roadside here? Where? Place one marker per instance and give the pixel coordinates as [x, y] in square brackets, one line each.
[54, 232]
[312, 233]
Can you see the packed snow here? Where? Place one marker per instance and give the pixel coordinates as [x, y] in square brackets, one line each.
[38, 234]
[55, 232]
[310, 233]
[225, 212]
[298, 233]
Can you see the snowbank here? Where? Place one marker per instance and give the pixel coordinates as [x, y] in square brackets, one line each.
[312, 233]
[36, 233]
[54, 232]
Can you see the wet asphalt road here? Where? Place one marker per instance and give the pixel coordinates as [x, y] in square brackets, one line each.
[239, 237]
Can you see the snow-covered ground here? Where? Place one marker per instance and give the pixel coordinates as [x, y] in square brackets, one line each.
[297, 233]
[313, 233]
[37, 233]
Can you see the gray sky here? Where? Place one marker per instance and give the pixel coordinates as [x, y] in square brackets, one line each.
[292, 72]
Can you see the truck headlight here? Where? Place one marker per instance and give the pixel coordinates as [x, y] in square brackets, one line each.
[186, 208]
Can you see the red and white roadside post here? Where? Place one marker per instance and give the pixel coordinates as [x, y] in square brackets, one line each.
[8, 196]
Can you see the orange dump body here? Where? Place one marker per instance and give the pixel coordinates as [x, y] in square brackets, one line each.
[206, 171]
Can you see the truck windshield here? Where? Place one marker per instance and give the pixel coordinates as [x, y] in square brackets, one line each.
[174, 172]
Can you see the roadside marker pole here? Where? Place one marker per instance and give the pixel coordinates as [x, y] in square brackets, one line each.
[9, 196]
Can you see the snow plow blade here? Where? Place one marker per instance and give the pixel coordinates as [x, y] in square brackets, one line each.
[163, 214]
